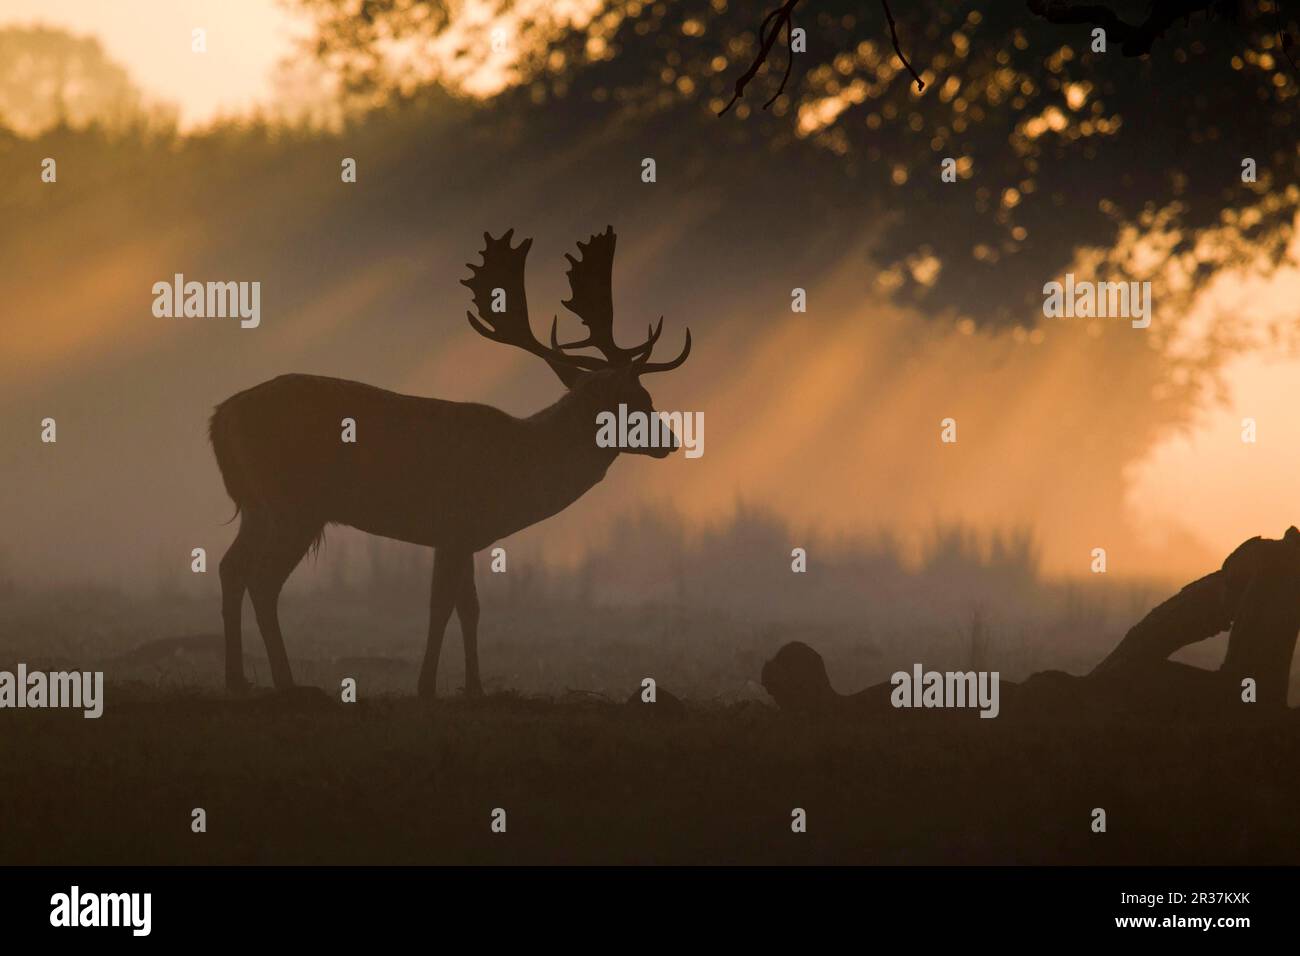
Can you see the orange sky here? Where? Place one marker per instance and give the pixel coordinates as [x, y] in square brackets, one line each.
[151, 39]
[247, 39]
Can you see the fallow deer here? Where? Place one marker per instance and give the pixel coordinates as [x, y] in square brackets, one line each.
[453, 476]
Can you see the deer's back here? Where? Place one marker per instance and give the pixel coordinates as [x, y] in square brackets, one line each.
[280, 446]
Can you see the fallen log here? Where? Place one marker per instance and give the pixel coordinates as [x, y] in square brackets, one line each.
[1255, 596]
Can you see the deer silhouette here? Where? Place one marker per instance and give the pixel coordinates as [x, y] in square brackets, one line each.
[454, 476]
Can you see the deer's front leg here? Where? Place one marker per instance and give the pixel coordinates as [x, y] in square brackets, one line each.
[467, 611]
[442, 599]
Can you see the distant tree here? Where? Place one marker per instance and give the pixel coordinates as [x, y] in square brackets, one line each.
[49, 78]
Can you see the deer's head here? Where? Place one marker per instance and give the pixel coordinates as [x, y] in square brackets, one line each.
[598, 383]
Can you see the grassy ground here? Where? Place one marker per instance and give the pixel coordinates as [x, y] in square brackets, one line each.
[394, 780]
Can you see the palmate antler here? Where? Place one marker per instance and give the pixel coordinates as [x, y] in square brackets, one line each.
[498, 284]
[591, 299]
[591, 285]
[591, 282]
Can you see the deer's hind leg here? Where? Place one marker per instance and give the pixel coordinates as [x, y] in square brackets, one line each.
[467, 613]
[279, 550]
[234, 582]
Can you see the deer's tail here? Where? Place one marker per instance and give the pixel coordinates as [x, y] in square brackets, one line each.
[233, 473]
[241, 480]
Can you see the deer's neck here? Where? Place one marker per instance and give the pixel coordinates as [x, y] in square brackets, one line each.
[565, 462]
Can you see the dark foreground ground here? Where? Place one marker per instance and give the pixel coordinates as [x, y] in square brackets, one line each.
[585, 781]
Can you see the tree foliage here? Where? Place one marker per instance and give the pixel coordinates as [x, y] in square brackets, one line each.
[1059, 145]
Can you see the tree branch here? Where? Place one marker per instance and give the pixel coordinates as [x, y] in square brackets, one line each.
[1283, 35]
[771, 28]
[782, 16]
[893, 33]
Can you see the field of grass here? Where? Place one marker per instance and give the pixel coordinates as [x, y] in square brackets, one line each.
[582, 780]
[584, 777]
